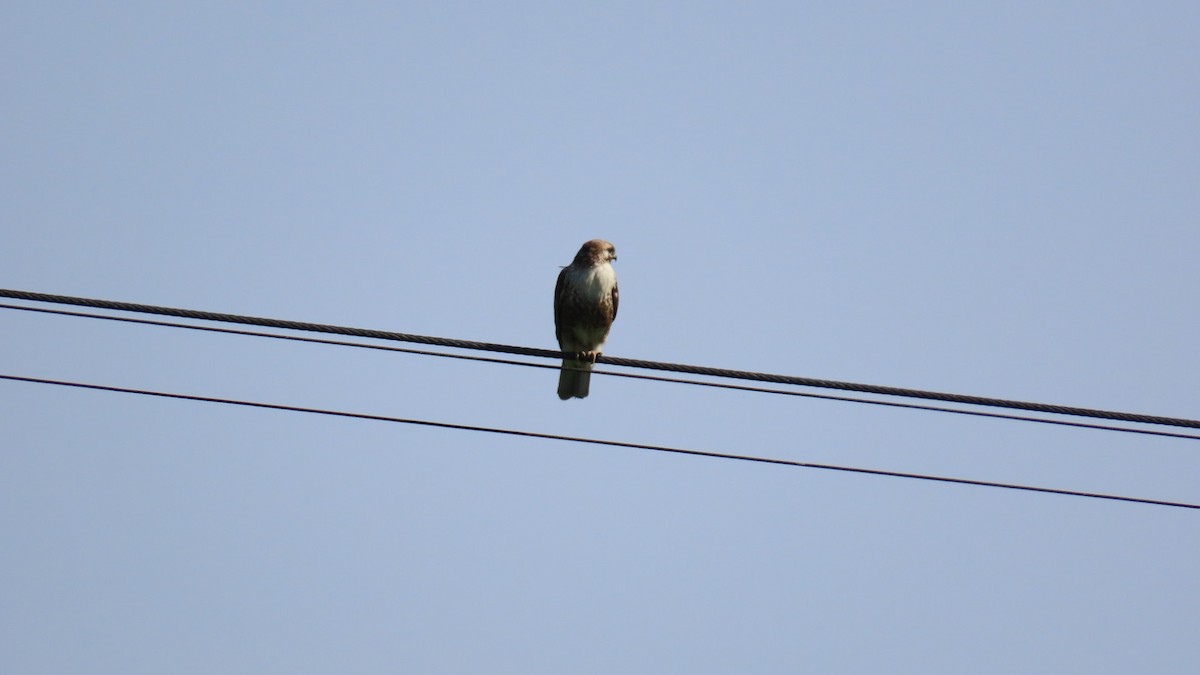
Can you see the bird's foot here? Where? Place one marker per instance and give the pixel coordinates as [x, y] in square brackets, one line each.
[587, 357]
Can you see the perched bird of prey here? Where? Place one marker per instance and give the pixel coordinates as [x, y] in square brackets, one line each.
[585, 304]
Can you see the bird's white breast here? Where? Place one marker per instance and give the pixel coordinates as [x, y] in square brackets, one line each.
[596, 283]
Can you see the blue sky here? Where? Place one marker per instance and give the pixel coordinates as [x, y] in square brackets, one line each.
[994, 200]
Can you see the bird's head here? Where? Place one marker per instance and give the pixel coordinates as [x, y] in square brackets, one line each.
[596, 252]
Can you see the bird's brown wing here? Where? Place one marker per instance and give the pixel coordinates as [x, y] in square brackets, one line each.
[560, 305]
[615, 298]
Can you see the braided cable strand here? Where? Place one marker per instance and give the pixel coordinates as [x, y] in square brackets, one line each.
[906, 393]
[610, 360]
[613, 373]
[276, 323]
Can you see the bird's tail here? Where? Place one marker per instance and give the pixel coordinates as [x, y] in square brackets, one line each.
[574, 379]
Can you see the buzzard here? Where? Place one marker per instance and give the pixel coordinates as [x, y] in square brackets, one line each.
[585, 304]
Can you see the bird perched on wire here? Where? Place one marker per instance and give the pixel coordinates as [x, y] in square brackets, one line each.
[585, 304]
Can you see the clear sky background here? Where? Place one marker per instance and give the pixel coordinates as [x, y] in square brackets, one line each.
[1000, 199]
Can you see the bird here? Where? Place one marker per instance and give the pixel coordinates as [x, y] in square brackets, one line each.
[585, 304]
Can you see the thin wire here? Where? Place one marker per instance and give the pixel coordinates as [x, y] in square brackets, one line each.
[597, 441]
[630, 363]
[637, 376]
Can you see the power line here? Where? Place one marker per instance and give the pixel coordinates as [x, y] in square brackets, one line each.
[611, 360]
[655, 378]
[597, 441]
